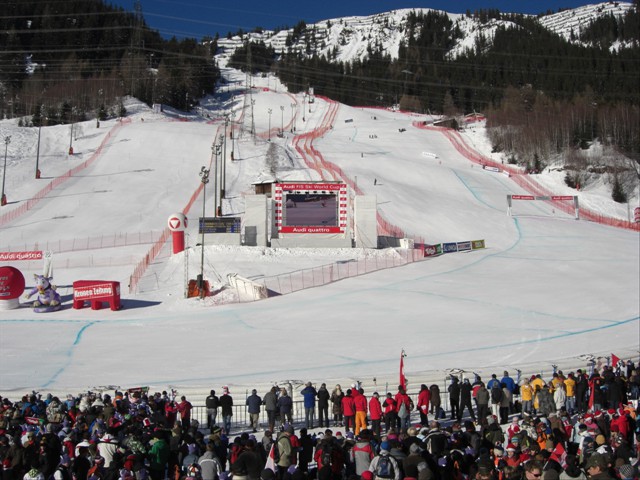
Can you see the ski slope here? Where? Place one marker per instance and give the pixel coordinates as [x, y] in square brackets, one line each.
[546, 290]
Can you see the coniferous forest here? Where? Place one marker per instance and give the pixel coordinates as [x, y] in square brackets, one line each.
[67, 61]
[542, 94]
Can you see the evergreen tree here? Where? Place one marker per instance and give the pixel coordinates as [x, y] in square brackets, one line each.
[617, 192]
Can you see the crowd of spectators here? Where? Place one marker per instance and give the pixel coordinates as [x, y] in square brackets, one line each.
[577, 425]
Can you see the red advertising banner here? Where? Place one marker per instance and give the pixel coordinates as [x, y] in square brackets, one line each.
[311, 186]
[523, 197]
[14, 256]
[311, 229]
[96, 292]
[562, 197]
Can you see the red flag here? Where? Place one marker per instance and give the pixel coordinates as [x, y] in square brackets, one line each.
[559, 454]
[271, 463]
[403, 379]
[32, 420]
[614, 360]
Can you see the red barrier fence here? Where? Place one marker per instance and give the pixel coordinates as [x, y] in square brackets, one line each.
[315, 160]
[526, 181]
[155, 250]
[32, 202]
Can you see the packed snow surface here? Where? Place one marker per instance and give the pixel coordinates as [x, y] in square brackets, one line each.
[547, 289]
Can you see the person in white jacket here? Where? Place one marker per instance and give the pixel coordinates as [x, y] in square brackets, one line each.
[392, 469]
[560, 397]
[107, 447]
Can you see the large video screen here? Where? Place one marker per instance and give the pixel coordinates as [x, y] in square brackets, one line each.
[311, 207]
[305, 209]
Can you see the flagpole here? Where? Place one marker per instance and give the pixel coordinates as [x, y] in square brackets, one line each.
[403, 379]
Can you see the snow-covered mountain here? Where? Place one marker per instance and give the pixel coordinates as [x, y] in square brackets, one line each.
[570, 23]
[348, 38]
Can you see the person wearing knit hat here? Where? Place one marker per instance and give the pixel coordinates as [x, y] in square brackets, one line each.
[366, 475]
[627, 472]
[513, 458]
[385, 466]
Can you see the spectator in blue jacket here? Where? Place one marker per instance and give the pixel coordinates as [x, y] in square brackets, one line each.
[508, 382]
[494, 381]
[253, 407]
[309, 393]
[285, 406]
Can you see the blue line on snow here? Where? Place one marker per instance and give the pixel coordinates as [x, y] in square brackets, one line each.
[472, 191]
[381, 361]
[69, 354]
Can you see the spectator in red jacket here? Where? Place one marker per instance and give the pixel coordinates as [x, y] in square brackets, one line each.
[348, 410]
[360, 404]
[375, 414]
[171, 413]
[423, 404]
[184, 408]
[390, 416]
[403, 408]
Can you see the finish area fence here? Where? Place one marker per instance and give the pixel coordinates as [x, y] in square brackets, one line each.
[240, 419]
[90, 243]
[322, 275]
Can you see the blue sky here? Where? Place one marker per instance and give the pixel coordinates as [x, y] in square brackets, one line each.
[196, 18]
